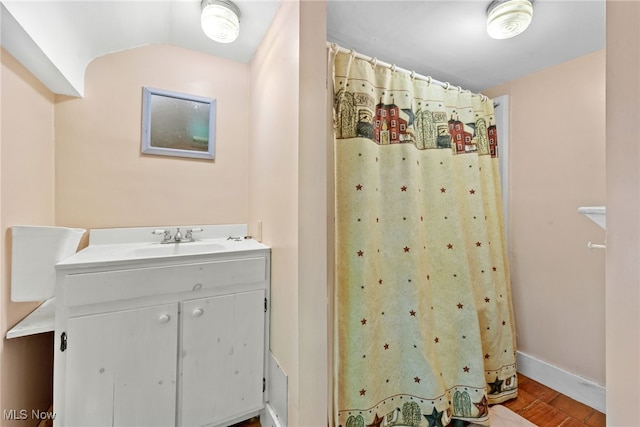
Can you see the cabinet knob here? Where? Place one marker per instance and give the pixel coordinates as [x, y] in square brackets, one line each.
[197, 312]
[164, 318]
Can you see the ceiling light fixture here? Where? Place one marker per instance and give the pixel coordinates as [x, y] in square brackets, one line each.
[220, 20]
[508, 18]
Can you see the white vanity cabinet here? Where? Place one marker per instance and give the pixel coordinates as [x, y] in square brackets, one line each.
[161, 341]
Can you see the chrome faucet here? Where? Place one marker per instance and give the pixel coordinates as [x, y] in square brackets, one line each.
[178, 237]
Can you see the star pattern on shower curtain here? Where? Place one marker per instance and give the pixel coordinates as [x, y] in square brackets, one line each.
[383, 344]
[424, 319]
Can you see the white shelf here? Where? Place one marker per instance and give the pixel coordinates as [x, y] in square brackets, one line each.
[39, 321]
[597, 214]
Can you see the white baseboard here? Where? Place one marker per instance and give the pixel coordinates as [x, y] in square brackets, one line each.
[567, 383]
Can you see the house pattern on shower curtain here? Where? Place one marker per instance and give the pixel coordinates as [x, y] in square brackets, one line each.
[356, 116]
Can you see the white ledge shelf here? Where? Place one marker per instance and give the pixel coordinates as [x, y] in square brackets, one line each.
[597, 214]
[41, 320]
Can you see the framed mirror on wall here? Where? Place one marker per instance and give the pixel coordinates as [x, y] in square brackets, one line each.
[178, 124]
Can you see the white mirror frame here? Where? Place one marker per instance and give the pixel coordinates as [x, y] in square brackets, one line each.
[151, 99]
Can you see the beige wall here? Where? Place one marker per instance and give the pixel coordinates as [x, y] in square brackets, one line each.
[623, 213]
[314, 216]
[273, 181]
[273, 168]
[557, 164]
[26, 197]
[288, 193]
[102, 180]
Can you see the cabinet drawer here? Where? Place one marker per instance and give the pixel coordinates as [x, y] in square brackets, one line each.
[91, 288]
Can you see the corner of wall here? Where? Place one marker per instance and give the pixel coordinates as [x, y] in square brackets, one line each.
[274, 181]
[26, 168]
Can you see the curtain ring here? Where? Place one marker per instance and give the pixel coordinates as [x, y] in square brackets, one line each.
[352, 53]
[374, 62]
[459, 89]
[412, 75]
[446, 85]
[334, 47]
[393, 68]
[429, 79]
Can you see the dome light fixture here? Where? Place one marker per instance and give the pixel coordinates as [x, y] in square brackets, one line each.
[220, 20]
[508, 18]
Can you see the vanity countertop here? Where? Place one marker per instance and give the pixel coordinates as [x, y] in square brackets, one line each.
[119, 246]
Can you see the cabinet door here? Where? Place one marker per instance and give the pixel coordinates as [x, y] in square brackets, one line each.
[121, 368]
[222, 357]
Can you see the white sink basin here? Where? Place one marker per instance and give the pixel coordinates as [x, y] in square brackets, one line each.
[169, 249]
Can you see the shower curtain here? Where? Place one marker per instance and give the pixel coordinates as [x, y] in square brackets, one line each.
[424, 331]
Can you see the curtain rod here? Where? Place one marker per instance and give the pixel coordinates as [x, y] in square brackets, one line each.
[376, 62]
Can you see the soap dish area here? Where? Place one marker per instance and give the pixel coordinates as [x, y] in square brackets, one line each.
[597, 214]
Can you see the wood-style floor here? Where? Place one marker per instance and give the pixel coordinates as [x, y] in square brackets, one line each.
[545, 407]
[539, 404]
